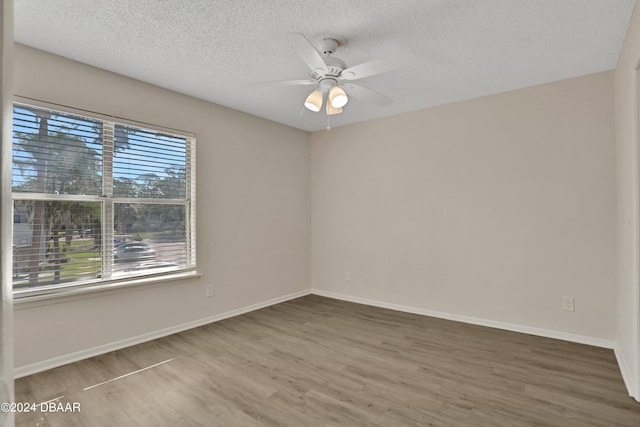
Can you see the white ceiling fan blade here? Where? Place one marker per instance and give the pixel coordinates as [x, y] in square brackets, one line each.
[306, 51]
[378, 66]
[367, 95]
[283, 83]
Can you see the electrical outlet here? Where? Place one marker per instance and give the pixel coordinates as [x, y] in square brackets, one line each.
[210, 290]
[568, 304]
[347, 275]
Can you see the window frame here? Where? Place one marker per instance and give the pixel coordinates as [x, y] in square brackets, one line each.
[107, 201]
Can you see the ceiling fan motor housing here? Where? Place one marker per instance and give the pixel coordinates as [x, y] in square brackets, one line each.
[328, 45]
[335, 66]
[329, 77]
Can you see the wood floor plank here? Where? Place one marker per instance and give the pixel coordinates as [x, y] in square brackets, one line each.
[316, 361]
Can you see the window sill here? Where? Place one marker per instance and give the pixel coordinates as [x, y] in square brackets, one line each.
[30, 298]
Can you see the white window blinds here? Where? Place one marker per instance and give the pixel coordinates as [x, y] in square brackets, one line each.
[96, 201]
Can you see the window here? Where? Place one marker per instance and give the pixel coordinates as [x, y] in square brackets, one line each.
[97, 201]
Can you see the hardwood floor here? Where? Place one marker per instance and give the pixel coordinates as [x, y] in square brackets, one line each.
[316, 361]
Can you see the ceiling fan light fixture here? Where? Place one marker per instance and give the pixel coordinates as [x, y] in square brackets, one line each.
[314, 101]
[337, 97]
[331, 110]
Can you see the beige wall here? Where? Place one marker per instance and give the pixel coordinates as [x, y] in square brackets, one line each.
[490, 209]
[628, 318]
[252, 208]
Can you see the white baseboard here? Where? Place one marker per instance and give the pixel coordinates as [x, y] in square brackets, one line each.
[632, 386]
[44, 365]
[582, 339]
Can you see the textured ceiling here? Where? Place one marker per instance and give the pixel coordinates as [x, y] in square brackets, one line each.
[211, 49]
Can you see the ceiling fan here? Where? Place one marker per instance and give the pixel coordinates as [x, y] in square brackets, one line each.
[333, 77]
